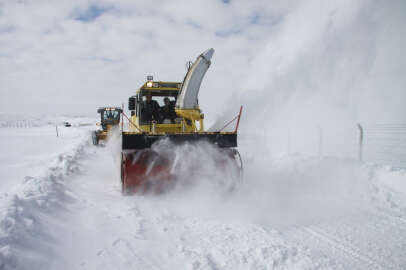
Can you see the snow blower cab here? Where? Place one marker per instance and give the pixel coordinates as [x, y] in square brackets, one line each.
[168, 111]
[153, 107]
[109, 117]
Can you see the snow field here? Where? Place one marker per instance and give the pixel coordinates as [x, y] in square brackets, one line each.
[291, 212]
[34, 162]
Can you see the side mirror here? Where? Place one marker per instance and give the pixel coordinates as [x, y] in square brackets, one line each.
[131, 103]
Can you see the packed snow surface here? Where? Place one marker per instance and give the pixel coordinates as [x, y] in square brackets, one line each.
[61, 207]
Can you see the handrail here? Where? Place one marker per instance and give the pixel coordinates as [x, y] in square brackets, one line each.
[238, 121]
[132, 122]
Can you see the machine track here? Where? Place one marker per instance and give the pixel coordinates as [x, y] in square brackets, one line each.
[367, 240]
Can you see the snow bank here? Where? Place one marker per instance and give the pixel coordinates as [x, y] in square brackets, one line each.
[23, 229]
[30, 203]
[30, 151]
[389, 186]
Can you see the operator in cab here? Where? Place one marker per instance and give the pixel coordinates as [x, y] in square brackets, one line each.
[150, 109]
[168, 111]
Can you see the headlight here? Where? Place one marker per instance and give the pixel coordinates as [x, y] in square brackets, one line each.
[149, 84]
[155, 84]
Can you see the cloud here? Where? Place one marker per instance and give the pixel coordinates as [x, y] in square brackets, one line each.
[286, 61]
[85, 55]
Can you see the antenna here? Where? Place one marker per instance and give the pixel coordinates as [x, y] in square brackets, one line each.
[189, 64]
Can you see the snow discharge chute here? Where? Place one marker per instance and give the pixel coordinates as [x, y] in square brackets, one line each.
[191, 84]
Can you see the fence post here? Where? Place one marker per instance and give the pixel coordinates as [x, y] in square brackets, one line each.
[122, 122]
[56, 128]
[361, 141]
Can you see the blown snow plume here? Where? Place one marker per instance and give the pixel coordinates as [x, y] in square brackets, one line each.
[322, 71]
[328, 65]
[192, 165]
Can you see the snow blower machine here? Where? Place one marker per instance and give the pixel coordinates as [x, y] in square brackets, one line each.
[109, 118]
[169, 111]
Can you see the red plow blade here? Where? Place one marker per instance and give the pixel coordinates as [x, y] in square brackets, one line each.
[147, 171]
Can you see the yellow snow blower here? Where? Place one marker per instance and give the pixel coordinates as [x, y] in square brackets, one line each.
[109, 117]
[169, 110]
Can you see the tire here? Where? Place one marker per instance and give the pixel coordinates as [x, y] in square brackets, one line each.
[95, 138]
[240, 165]
[240, 168]
[123, 186]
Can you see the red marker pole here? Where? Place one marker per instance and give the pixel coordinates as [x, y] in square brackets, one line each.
[238, 120]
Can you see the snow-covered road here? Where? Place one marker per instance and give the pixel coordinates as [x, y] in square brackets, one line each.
[292, 212]
[150, 232]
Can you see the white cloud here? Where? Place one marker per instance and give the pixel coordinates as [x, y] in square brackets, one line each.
[306, 59]
[96, 54]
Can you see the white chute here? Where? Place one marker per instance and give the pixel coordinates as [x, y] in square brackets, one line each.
[187, 98]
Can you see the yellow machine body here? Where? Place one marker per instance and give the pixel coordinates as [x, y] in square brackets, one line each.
[109, 118]
[187, 121]
[169, 111]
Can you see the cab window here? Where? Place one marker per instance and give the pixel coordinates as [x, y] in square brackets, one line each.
[110, 115]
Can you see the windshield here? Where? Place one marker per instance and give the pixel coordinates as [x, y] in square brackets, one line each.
[160, 99]
[111, 115]
[158, 106]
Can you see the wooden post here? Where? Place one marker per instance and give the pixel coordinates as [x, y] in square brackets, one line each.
[56, 128]
[361, 142]
[122, 122]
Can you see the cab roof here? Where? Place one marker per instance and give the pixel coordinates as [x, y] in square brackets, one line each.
[109, 108]
[159, 85]
[100, 109]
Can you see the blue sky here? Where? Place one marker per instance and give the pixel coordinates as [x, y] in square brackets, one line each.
[91, 12]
